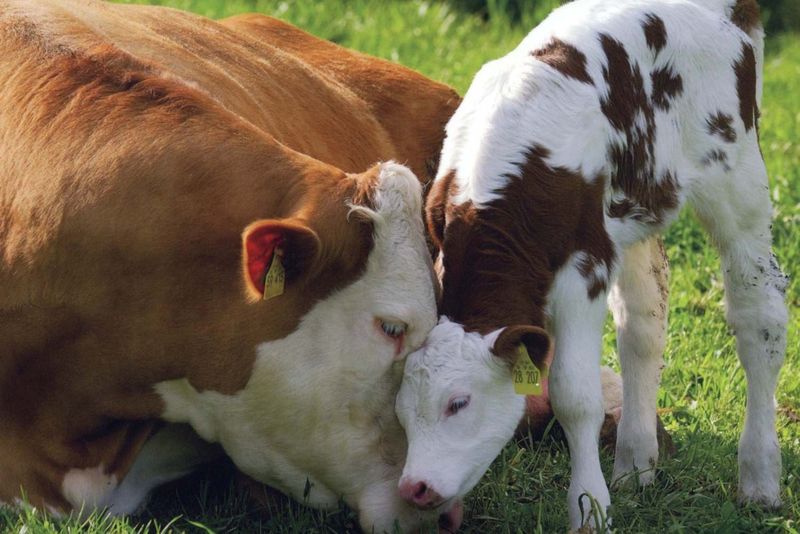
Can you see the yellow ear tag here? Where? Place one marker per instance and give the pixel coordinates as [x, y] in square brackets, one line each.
[275, 277]
[527, 377]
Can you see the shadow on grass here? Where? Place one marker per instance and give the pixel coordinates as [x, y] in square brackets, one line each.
[525, 490]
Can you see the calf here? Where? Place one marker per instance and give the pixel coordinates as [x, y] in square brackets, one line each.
[563, 157]
[193, 230]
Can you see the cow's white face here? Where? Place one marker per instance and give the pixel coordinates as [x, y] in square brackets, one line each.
[458, 407]
[316, 419]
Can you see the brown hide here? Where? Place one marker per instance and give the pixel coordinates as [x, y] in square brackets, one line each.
[499, 262]
[137, 144]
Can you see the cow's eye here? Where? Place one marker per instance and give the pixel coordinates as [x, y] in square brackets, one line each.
[394, 329]
[457, 404]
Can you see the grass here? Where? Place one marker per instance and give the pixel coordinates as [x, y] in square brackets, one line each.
[703, 387]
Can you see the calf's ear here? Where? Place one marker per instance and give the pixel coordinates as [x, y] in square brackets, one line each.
[289, 242]
[533, 338]
[436, 206]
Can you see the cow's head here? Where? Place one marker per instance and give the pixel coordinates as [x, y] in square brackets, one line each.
[377, 247]
[458, 406]
[341, 367]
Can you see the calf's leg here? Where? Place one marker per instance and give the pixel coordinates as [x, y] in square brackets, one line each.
[737, 212]
[638, 301]
[575, 390]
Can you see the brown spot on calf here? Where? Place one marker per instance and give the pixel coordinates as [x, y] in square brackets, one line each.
[666, 86]
[745, 70]
[643, 195]
[746, 15]
[565, 58]
[655, 33]
[721, 124]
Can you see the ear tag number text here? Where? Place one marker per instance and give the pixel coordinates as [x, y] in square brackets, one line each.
[527, 377]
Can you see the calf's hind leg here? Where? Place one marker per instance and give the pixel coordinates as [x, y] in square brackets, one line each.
[638, 301]
[737, 213]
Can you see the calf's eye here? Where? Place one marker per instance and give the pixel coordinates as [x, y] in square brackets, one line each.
[457, 404]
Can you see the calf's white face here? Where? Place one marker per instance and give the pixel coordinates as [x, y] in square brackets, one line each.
[458, 407]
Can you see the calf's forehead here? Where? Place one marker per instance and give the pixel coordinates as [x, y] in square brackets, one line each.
[449, 357]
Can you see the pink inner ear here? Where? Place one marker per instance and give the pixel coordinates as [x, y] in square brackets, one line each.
[261, 244]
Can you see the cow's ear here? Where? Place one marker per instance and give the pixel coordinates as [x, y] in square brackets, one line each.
[289, 242]
[534, 339]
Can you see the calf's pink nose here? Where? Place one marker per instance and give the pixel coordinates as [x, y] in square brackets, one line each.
[419, 493]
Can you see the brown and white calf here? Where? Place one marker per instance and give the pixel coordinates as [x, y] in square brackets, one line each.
[153, 163]
[563, 157]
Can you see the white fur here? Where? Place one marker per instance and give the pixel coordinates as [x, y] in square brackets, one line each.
[516, 103]
[318, 408]
[639, 304]
[88, 489]
[173, 452]
[451, 452]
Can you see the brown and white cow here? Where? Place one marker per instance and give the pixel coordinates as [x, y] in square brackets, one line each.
[563, 158]
[154, 165]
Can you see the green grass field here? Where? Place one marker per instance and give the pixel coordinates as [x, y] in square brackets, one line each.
[703, 386]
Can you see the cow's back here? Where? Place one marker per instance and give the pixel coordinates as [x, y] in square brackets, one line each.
[288, 83]
[412, 108]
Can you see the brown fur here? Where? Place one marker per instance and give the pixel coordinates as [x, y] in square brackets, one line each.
[393, 101]
[133, 159]
[655, 32]
[499, 261]
[746, 15]
[535, 339]
[645, 194]
[565, 58]
[666, 86]
[437, 204]
[745, 70]
[721, 124]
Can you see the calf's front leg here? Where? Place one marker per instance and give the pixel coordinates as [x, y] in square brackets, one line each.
[575, 389]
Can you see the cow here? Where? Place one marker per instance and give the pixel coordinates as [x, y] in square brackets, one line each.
[565, 157]
[199, 254]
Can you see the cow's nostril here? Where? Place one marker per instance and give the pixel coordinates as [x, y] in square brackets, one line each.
[422, 489]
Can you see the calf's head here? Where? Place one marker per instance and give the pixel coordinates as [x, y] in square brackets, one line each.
[458, 406]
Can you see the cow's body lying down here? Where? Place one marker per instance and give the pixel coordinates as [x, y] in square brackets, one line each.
[562, 158]
[137, 144]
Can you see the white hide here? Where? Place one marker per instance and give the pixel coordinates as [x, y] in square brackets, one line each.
[318, 410]
[88, 489]
[171, 453]
[517, 103]
[450, 453]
